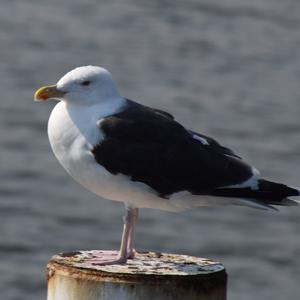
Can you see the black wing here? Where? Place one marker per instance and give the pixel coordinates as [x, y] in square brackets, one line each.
[149, 146]
[214, 144]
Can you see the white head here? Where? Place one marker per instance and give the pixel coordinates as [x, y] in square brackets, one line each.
[86, 85]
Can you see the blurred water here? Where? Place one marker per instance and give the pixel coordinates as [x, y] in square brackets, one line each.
[227, 68]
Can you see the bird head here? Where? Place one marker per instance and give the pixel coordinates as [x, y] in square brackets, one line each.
[86, 85]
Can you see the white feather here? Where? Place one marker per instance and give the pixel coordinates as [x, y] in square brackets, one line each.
[200, 139]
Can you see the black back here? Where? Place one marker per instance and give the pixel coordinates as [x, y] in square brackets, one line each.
[149, 146]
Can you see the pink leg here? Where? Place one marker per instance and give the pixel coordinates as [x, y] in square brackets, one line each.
[126, 249]
[130, 248]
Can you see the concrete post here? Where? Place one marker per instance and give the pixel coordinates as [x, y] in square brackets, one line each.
[149, 276]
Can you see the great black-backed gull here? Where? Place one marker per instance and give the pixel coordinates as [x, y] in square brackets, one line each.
[128, 152]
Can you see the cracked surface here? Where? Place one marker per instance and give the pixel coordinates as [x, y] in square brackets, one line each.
[148, 263]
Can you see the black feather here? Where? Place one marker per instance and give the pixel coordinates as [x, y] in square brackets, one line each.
[268, 192]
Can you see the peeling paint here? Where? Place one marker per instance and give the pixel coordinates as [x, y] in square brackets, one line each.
[50, 271]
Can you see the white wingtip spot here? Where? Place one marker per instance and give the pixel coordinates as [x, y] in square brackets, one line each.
[251, 183]
[255, 172]
[200, 139]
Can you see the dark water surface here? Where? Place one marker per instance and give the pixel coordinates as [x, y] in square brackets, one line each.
[227, 68]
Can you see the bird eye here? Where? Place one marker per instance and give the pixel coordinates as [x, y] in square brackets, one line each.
[86, 82]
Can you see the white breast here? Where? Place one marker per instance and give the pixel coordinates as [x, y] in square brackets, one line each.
[73, 132]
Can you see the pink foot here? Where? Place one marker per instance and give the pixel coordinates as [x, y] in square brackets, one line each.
[104, 258]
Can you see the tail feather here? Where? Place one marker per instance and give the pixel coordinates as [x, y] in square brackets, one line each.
[268, 193]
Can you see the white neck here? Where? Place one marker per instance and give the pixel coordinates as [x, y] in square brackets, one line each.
[85, 117]
[98, 111]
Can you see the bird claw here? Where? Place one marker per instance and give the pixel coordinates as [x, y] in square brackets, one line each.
[105, 258]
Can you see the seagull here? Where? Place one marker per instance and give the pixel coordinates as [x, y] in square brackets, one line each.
[124, 151]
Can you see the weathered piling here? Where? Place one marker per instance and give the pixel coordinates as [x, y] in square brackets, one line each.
[150, 275]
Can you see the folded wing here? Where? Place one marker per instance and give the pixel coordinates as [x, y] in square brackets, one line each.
[149, 146]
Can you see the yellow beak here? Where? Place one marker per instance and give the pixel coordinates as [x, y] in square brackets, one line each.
[48, 92]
